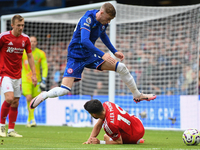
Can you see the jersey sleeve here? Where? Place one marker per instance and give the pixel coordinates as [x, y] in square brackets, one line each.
[106, 41]
[28, 45]
[115, 133]
[86, 24]
[44, 64]
[1, 41]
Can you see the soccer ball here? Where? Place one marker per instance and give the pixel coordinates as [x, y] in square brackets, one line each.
[191, 137]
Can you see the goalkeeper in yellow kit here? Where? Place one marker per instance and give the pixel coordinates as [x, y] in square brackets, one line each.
[28, 89]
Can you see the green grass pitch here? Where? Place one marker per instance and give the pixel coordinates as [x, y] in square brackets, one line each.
[71, 138]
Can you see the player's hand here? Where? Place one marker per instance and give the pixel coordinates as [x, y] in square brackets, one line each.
[119, 55]
[86, 142]
[108, 58]
[94, 140]
[34, 80]
[43, 84]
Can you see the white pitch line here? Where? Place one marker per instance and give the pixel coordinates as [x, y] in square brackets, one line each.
[96, 148]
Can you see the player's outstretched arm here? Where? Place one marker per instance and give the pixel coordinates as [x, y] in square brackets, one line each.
[95, 131]
[118, 141]
[94, 140]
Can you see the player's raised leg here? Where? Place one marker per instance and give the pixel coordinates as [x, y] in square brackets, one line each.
[55, 92]
[128, 79]
[146, 97]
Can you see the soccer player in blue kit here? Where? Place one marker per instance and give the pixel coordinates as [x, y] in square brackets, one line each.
[82, 53]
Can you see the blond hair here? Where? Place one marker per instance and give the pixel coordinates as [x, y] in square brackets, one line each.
[109, 9]
[16, 17]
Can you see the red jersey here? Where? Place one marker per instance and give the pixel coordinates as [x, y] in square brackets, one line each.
[118, 122]
[11, 51]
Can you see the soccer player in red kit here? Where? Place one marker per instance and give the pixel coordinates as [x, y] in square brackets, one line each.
[12, 45]
[120, 127]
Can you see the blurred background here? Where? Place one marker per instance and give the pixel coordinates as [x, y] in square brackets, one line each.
[19, 6]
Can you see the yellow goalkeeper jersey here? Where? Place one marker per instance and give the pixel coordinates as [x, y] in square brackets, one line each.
[40, 63]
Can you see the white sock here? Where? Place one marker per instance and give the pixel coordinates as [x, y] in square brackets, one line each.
[2, 125]
[10, 130]
[57, 91]
[127, 78]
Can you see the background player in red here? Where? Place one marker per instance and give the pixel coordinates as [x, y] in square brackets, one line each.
[12, 45]
[120, 127]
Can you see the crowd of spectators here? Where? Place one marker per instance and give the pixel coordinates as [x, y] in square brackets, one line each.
[161, 56]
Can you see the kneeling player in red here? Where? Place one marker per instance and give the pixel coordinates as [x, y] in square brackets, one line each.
[120, 127]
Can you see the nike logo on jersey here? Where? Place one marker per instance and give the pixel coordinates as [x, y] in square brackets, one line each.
[10, 43]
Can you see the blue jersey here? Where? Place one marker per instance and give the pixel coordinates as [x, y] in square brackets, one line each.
[92, 30]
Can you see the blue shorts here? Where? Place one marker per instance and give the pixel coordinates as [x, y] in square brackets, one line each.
[74, 67]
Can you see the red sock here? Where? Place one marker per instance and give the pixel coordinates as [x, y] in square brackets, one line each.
[12, 117]
[4, 111]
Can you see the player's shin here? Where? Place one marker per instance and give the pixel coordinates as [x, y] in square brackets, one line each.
[32, 114]
[58, 91]
[4, 111]
[55, 92]
[12, 117]
[29, 117]
[127, 78]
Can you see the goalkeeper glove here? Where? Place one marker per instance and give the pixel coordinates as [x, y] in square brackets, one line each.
[43, 84]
